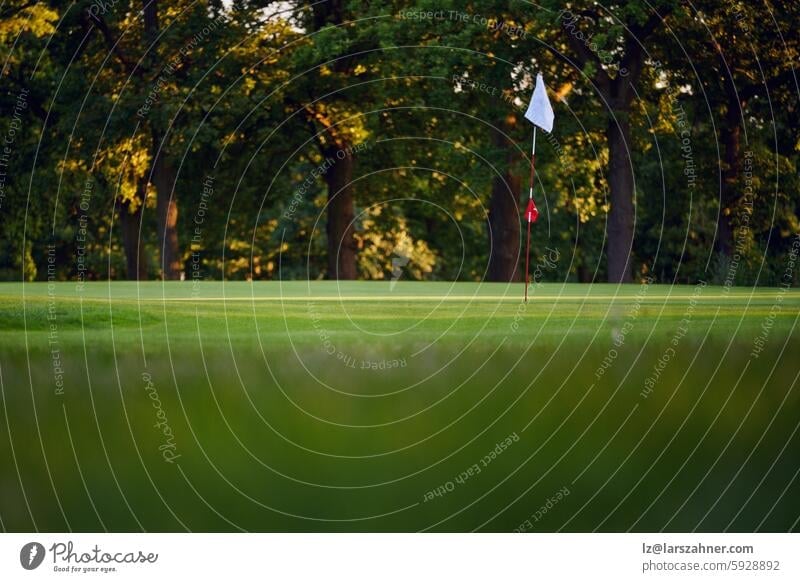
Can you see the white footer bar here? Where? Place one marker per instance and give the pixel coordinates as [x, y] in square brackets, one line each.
[401, 557]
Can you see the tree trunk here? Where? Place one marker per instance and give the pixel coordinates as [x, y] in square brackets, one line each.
[731, 134]
[164, 178]
[326, 13]
[162, 173]
[621, 184]
[150, 14]
[340, 215]
[504, 215]
[130, 226]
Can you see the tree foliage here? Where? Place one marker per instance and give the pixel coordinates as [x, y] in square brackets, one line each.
[381, 140]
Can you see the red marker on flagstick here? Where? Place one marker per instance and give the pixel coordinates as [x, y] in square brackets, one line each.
[540, 113]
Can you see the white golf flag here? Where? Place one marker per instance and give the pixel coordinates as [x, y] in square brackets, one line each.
[540, 112]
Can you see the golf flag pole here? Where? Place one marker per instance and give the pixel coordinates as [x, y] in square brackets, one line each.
[531, 213]
[540, 113]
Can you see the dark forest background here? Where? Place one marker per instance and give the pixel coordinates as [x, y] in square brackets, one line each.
[342, 139]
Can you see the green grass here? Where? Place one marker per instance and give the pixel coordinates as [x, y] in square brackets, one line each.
[329, 406]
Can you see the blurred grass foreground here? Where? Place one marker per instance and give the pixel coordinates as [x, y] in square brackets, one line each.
[333, 406]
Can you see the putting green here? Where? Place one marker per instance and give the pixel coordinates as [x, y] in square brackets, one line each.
[370, 406]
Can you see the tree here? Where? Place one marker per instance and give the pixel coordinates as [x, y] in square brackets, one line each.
[334, 130]
[25, 80]
[150, 52]
[735, 76]
[162, 173]
[605, 43]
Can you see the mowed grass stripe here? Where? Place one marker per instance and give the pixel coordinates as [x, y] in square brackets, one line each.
[356, 290]
[431, 298]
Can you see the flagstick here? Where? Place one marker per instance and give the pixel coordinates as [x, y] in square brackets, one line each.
[530, 197]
